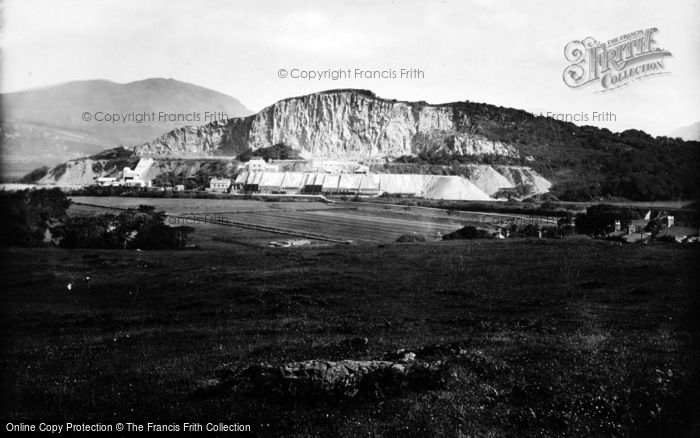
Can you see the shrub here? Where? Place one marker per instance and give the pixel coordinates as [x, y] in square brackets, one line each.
[411, 237]
[468, 232]
[599, 220]
[28, 214]
[142, 228]
[109, 154]
[280, 151]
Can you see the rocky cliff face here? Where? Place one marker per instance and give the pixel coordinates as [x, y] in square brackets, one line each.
[350, 124]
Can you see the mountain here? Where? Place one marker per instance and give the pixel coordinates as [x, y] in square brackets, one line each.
[583, 162]
[45, 126]
[349, 124]
[690, 132]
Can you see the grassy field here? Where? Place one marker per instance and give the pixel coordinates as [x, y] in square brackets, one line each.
[363, 224]
[566, 338]
[341, 221]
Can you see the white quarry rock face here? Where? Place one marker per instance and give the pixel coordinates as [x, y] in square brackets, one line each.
[343, 124]
[491, 179]
[77, 172]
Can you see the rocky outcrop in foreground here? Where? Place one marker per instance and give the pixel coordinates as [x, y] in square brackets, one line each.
[420, 369]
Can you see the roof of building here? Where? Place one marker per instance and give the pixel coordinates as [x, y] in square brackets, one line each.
[314, 179]
[241, 178]
[254, 178]
[370, 182]
[330, 182]
[430, 186]
[271, 179]
[293, 180]
[349, 181]
[144, 164]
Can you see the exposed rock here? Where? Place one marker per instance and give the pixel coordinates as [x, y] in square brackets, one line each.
[425, 368]
[345, 378]
[349, 124]
[491, 179]
[517, 176]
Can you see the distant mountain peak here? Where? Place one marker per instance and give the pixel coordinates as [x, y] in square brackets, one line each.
[690, 132]
[44, 126]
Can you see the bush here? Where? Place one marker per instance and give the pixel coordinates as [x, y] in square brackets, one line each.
[599, 220]
[110, 154]
[142, 228]
[654, 226]
[468, 232]
[411, 237]
[27, 215]
[280, 151]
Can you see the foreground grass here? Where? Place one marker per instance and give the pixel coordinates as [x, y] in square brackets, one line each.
[569, 338]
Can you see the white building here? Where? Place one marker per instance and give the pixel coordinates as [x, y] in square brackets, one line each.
[427, 186]
[221, 185]
[107, 182]
[142, 175]
[258, 164]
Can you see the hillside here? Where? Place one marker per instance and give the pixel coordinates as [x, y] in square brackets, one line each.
[350, 124]
[44, 126]
[583, 162]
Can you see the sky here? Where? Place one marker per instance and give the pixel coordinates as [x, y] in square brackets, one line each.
[508, 53]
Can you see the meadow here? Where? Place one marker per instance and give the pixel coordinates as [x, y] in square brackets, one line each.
[253, 222]
[567, 337]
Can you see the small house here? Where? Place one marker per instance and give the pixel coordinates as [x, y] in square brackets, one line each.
[220, 185]
[107, 182]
